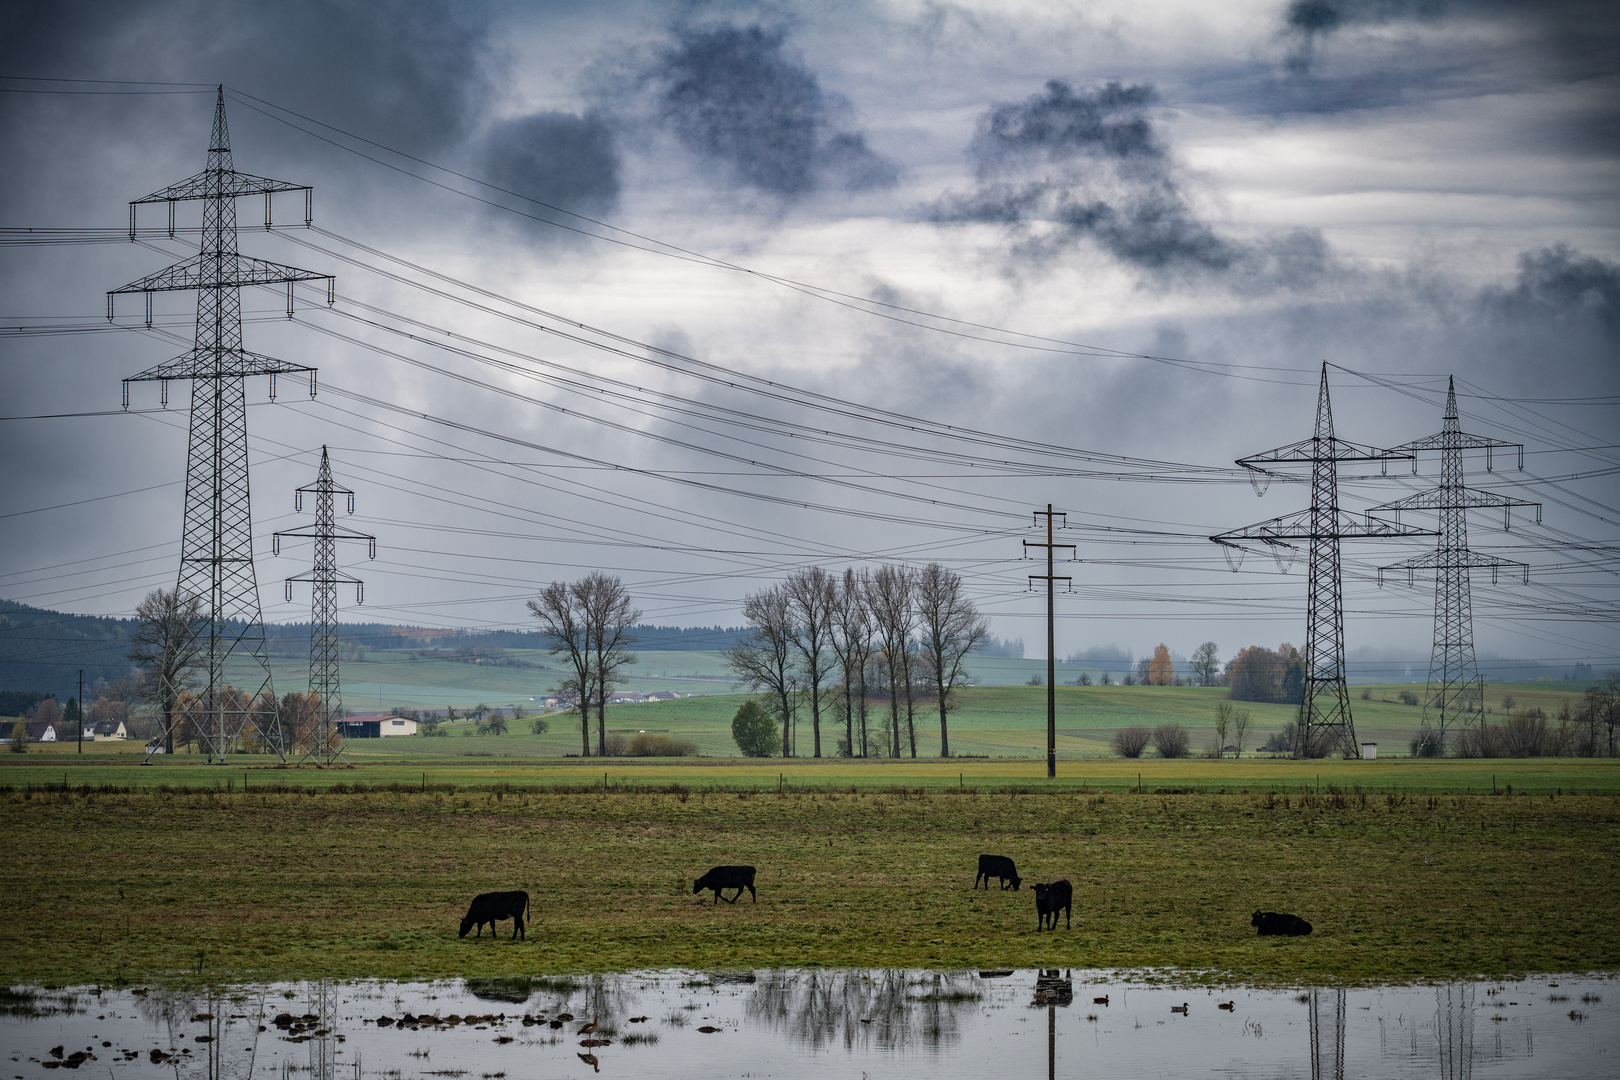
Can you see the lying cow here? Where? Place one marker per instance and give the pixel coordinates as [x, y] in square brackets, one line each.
[997, 866]
[491, 907]
[1276, 924]
[727, 877]
[1051, 899]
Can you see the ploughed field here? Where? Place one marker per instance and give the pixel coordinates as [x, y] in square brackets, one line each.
[106, 887]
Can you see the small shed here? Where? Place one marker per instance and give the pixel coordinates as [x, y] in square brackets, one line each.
[376, 727]
[1369, 751]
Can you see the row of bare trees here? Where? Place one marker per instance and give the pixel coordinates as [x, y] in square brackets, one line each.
[589, 622]
[828, 642]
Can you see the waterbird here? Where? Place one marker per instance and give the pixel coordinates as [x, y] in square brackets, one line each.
[1100, 1001]
[586, 1029]
[1182, 1008]
[1229, 1006]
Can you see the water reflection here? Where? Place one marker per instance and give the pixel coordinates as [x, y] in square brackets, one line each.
[1327, 1034]
[1454, 1030]
[860, 1010]
[830, 1023]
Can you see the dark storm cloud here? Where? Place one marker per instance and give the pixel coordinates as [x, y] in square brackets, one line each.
[1061, 167]
[1329, 68]
[732, 97]
[1306, 22]
[557, 158]
[1560, 287]
[408, 73]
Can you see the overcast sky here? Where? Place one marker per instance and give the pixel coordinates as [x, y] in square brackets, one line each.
[857, 281]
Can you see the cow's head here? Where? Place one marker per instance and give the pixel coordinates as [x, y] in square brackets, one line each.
[1016, 879]
[1040, 891]
[697, 885]
[1255, 921]
[466, 925]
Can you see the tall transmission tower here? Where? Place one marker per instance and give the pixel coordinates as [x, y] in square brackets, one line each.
[1456, 695]
[216, 552]
[323, 743]
[1325, 722]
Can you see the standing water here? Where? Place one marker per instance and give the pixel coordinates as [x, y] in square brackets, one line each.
[815, 1023]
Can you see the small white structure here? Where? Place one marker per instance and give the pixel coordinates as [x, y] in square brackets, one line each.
[1369, 751]
[376, 727]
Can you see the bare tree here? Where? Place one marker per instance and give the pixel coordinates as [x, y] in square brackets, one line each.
[851, 641]
[1206, 663]
[609, 618]
[1240, 728]
[167, 647]
[813, 594]
[889, 596]
[951, 628]
[563, 622]
[763, 659]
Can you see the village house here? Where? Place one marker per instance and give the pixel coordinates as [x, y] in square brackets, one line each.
[106, 731]
[38, 731]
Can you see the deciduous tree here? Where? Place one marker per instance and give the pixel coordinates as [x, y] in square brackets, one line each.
[813, 594]
[890, 599]
[563, 621]
[951, 628]
[167, 648]
[852, 644]
[1206, 664]
[1161, 670]
[610, 620]
[763, 658]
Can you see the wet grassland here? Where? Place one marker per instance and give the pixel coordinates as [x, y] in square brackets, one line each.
[122, 886]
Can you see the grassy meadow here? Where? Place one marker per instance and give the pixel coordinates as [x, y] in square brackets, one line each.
[124, 886]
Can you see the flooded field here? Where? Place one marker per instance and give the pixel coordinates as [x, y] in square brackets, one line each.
[814, 1023]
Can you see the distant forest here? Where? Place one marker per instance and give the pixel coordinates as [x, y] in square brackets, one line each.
[43, 651]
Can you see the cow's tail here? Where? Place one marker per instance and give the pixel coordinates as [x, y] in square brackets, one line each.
[525, 907]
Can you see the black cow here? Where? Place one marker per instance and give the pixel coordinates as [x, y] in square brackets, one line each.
[490, 907]
[997, 866]
[1051, 899]
[727, 877]
[1276, 924]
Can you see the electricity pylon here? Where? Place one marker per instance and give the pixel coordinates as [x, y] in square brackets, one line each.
[1324, 710]
[1456, 695]
[324, 743]
[216, 549]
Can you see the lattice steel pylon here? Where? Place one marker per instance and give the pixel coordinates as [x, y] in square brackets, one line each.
[216, 554]
[1456, 694]
[323, 742]
[1324, 722]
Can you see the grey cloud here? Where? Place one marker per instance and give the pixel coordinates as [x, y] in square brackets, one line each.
[1309, 21]
[1561, 287]
[557, 158]
[733, 98]
[1060, 124]
[1063, 167]
[408, 73]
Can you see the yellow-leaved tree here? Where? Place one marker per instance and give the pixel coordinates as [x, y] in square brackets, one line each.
[1161, 672]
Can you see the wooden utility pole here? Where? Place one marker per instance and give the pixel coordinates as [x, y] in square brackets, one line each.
[1051, 634]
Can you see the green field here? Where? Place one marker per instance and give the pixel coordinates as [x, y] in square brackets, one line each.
[124, 887]
[994, 721]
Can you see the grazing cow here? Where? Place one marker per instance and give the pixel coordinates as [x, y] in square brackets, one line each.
[727, 877]
[997, 866]
[491, 907]
[1276, 924]
[1051, 899]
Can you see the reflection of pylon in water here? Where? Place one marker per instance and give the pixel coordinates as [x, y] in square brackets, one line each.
[216, 551]
[1456, 696]
[322, 742]
[1327, 1034]
[1324, 722]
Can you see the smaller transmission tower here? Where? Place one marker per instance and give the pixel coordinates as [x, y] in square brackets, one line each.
[1456, 696]
[1324, 710]
[323, 743]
